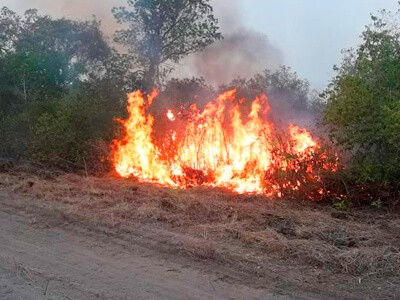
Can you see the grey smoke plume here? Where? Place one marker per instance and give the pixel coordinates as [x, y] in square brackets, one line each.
[242, 53]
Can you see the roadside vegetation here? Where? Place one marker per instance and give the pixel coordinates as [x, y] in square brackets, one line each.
[362, 112]
[63, 83]
[301, 239]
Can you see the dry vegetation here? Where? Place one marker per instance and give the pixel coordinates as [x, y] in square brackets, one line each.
[248, 232]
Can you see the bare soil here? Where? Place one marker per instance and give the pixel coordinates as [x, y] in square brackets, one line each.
[82, 237]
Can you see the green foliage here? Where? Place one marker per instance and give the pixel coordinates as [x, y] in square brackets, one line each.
[286, 84]
[43, 58]
[377, 204]
[10, 24]
[71, 133]
[165, 31]
[78, 132]
[363, 111]
[61, 85]
[341, 204]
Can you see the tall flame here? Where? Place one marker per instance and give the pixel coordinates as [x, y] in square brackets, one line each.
[136, 154]
[218, 146]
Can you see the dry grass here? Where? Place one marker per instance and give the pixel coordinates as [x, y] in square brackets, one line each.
[200, 248]
[215, 224]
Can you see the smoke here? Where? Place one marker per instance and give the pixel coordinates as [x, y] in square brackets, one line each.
[74, 9]
[228, 14]
[242, 53]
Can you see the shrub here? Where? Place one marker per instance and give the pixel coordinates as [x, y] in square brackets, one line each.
[363, 109]
[71, 133]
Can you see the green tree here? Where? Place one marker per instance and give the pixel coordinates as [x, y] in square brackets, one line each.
[81, 43]
[286, 85]
[61, 85]
[76, 133]
[162, 32]
[363, 110]
[42, 57]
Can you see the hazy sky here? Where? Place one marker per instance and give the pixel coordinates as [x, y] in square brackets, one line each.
[312, 33]
[309, 33]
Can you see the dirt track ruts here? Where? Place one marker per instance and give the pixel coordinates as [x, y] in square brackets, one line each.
[71, 266]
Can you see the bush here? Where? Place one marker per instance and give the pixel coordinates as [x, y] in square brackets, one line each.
[179, 93]
[70, 133]
[363, 110]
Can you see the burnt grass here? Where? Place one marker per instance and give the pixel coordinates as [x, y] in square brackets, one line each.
[247, 231]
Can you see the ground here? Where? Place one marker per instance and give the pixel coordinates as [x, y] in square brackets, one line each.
[65, 236]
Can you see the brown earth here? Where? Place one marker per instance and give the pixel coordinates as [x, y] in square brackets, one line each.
[81, 237]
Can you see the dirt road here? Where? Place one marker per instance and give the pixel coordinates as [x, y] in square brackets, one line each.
[57, 264]
[73, 237]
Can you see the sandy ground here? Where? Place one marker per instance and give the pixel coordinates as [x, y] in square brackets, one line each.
[72, 237]
[58, 264]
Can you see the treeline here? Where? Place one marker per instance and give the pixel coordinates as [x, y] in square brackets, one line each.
[362, 113]
[62, 84]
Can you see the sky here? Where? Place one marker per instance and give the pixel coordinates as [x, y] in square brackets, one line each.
[309, 34]
[312, 33]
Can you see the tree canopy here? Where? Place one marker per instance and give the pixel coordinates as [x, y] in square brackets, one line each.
[161, 32]
[363, 111]
[41, 57]
[60, 83]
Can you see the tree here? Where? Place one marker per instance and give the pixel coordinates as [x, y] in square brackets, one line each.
[179, 93]
[61, 85]
[285, 89]
[10, 24]
[164, 31]
[285, 85]
[42, 57]
[363, 109]
[81, 43]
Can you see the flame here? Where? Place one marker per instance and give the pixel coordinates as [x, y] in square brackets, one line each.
[137, 155]
[170, 115]
[302, 139]
[218, 146]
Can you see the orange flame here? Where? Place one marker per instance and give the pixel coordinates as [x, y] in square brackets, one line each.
[218, 146]
[136, 154]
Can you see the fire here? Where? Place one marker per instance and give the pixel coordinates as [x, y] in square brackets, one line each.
[302, 139]
[170, 115]
[137, 155]
[219, 146]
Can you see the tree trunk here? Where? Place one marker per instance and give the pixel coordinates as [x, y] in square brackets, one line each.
[150, 76]
[25, 93]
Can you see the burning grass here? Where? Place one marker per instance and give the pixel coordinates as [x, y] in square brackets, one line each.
[226, 145]
[246, 230]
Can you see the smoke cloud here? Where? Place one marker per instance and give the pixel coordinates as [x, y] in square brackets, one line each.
[74, 9]
[242, 53]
